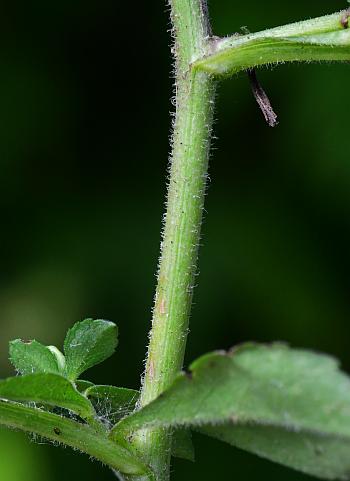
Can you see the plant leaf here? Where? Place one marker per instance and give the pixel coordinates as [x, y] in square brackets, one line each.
[291, 406]
[80, 437]
[61, 360]
[182, 446]
[325, 38]
[29, 357]
[88, 343]
[321, 455]
[82, 386]
[46, 388]
[112, 403]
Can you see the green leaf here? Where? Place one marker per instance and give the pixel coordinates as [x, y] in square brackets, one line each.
[88, 343]
[321, 455]
[82, 386]
[182, 446]
[46, 388]
[29, 357]
[290, 406]
[112, 403]
[61, 360]
[81, 437]
[319, 39]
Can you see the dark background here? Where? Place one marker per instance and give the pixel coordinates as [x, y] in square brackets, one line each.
[84, 125]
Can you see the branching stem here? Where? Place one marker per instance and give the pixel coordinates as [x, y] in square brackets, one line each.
[319, 39]
[70, 433]
[199, 58]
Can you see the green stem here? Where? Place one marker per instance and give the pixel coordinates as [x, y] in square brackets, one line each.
[324, 38]
[188, 172]
[71, 433]
[199, 57]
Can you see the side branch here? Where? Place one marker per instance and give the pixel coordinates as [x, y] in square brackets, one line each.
[70, 433]
[321, 39]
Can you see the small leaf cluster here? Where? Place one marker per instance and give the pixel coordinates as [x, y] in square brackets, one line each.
[87, 343]
[287, 405]
[49, 381]
[50, 378]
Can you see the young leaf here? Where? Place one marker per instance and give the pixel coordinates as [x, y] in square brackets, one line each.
[290, 406]
[88, 343]
[61, 360]
[29, 357]
[112, 402]
[182, 446]
[46, 388]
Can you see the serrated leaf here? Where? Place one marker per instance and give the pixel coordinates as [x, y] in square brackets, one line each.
[46, 388]
[182, 446]
[321, 455]
[290, 406]
[30, 357]
[88, 343]
[112, 403]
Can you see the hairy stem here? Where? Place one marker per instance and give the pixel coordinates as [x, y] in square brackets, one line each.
[71, 433]
[199, 57]
[188, 172]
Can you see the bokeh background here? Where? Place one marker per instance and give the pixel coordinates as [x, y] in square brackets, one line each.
[84, 125]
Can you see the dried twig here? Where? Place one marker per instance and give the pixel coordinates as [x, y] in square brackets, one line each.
[262, 99]
[345, 18]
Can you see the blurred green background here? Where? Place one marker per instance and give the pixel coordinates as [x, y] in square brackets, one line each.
[84, 125]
